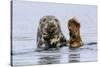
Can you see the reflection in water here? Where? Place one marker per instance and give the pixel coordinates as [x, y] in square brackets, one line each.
[74, 55]
[49, 60]
[51, 56]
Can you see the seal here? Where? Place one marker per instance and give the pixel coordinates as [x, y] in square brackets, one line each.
[49, 34]
[74, 33]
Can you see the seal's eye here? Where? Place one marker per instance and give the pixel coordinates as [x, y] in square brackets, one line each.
[56, 20]
[44, 20]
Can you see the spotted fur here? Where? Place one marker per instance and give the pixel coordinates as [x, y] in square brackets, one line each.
[49, 34]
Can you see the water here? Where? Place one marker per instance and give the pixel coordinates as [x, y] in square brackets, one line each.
[24, 53]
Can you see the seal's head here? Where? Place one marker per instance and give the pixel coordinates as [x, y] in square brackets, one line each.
[49, 33]
[49, 25]
[74, 33]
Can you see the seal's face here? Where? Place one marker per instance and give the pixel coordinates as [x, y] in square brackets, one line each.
[74, 32]
[49, 33]
[74, 28]
[49, 25]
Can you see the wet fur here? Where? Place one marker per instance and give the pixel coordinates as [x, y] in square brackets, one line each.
[74, 33]
[49, 34]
